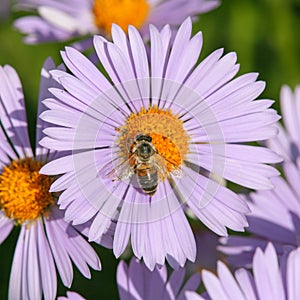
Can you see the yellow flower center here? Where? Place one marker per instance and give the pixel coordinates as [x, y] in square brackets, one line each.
[24, 193]
[168, 135]
[121, 12]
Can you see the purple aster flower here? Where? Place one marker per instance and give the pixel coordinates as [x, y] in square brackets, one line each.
[147, 140]
[65, 19]
[46, 242]
[270, 280]
[275, 214]
[137, 282]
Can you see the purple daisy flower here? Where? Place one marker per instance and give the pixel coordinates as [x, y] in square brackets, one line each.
[147, 140]
[275, 214]
[137, 282]
[270, 280]
[65, 19]
[46, 241]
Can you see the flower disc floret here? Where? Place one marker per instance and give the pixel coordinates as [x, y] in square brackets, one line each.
[24, 193]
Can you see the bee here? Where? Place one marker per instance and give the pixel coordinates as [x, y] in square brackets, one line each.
[145, 163]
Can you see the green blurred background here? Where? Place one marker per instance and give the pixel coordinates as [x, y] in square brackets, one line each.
[265, 35]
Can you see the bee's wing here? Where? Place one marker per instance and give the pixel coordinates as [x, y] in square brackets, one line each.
[122, 171]
[160, 164]
[176, 171]
[162, 167]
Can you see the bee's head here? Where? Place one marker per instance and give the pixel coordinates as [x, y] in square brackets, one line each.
[143, 137]
[145, 150]
[143, 147]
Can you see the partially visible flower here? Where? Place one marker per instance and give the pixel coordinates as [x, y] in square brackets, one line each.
[46, 243]
[275, 214]
[65, 19]
[270, 280]
[287, 143]
[275, 217]
[137, 282]
[5, 8]
[71, 296]
[192, 123]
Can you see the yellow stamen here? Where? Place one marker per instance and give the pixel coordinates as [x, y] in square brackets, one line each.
[166, 130]
[24, 193]
[121, 12]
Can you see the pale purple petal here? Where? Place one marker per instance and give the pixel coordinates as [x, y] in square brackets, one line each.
[6, 151]
[137, 287]
[175, 282]
[160, 43]
[71, 296]
[210, 205]
[287, 143]
[228, 282]
[240, 250]
[38, 30]
[267, 274]
[71, 245]
[122, 279]
[143, 223]
[64, 5]
[6, 226]
[193, 296]
[139, 283]
[245, 170]
[33, 276]
[289, 112]
[156, 282]
[60, 255]
[15, 281]
[46, 82]
[192, 284]
[283, 145]
[293, 275]
[46, 264]
[84, 69]
[213, 286]
[120, 71]
[174, 12]
[246, 284]
[12, 111]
